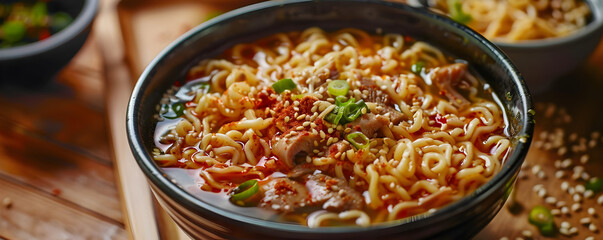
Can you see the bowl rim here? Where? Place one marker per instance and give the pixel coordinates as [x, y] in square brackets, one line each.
[160, 180]
[595, 27]
[84, 18]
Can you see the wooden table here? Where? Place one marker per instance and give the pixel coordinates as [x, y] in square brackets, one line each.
[66, 171]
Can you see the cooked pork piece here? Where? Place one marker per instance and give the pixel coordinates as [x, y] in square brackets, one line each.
[284, 195]
[369, 123]
[287, 147]
[446, 77]
[333, 193]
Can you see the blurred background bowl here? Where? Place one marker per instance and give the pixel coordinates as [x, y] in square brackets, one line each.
[203, 220]
[543, 61]
[37, 63]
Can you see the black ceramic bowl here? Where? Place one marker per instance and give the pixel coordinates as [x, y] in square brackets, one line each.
[200, 219]
[38, 62]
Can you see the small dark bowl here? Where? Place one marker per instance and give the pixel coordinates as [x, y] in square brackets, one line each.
[38, 62]
[200, 219]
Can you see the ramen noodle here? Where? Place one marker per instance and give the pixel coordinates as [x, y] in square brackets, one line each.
[332, 128]
[517, 20]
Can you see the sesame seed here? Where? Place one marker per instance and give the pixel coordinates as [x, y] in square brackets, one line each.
[526, 233]
[589, 193]
[580, 188]
[286, 103]
[314, 109]
[322, 134]
[560, 204]
[559, 174]
[293, 133]
[590, 238]
[556, 212]
[591, 211]
[584, 159]
[541, 175]
[600, 200]
[564, 185]
[296, 109]
[585, 220]
[296, 103]
[592, 227]
[287, 119]
[565, 224]
[573, 230]
[576, 207]
[564, 210]
[566, 163]
[300, 117]
[576, 175]
[308, 159]
[542, 192]
[571, 190]
[561, 151]
[305, 124]
[299, 128]
[557, 163]
[330, 130]
[347, 130]
[585, 176]
[564, 231]
[550, 200]
[577, 197]
[315, 151]
[504, 238]
[537, 187]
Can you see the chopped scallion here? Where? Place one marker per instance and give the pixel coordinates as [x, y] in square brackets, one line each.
[358, 140]
[455, 8]
[417, 67]
[284, 84]
[542, 218]
[338, 87]
[244, 191]
[594, 184]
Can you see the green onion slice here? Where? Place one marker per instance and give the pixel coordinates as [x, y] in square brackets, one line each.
[245, 191]
[542, 218]
[358, 140]
[417, 67]
[594, 184]
[283, 84]
[174, 110]
[346, 111]
[338, 87]
[455, 9]
[13, 31]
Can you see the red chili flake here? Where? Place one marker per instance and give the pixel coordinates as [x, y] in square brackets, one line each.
[441, 119]
[442, 92]
[44, 34]
[56, 191]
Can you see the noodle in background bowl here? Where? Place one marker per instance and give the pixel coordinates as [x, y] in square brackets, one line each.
[202, 220]
[543, 61]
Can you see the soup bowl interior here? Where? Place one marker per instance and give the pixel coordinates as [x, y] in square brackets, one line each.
[202, 219]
